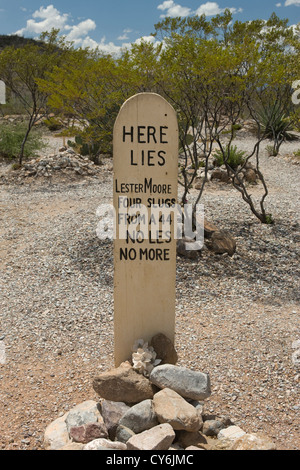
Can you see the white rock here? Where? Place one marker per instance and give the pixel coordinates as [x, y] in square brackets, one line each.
[193, 448]
[296, 344]
[102, 444]
[258, 441]
[158, 438]
[2, 353]
[232, 433]
[296, 358]
[56, 435]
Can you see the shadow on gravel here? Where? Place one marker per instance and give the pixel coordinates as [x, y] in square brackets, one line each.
[265, 266]
[94, 257]
[266, 262]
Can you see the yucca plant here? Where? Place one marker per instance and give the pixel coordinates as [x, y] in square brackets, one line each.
[277, 125]
[233, 157]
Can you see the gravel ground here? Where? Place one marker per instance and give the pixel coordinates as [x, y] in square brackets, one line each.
[236, 318]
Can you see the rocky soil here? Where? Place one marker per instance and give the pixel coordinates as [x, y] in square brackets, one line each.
[237, 318]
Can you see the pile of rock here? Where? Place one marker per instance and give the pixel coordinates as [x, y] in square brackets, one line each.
[245, 174]
[164, 411]
[216, 240]
[66, 162]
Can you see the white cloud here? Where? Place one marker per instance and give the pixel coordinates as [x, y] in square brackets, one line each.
[80, 30]
[289, 3]
[45, 19]
[209, 9]
[50, 18]
[173, 9]
[150, 39]
[124, 36]
[103, 46]
[212, 9]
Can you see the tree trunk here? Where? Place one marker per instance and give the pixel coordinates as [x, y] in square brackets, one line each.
[21, 156]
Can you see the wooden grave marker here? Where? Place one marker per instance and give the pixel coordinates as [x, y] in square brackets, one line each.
[145, 173]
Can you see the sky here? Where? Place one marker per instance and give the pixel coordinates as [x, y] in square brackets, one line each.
[112, 24]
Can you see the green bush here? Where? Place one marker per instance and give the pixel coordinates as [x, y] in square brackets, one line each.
[276, 124]
[201, 164]
[83, 147]
[11, 138]
[53, 124]
[233, 157]
[271, 151]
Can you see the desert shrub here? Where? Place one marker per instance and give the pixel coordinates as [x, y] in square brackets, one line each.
[297, 154]
[12, 107]
[11, 138]
[271, 151]
[233, 157]
[186, 140]
[276, 123]
[201, 164]
[53, 124]
[234, 128]
[85, 147]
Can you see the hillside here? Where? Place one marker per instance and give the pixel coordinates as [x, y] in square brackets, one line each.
[14, 40]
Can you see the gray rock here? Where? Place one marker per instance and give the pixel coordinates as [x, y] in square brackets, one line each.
[223, 419]
[140, 417]
[42, 163]
[85, 413]
[212, 427]
[123, 434]
[187, 383]
[112, 412]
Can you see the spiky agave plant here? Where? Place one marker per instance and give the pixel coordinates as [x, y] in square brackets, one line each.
[276, 124]
[233, 156]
